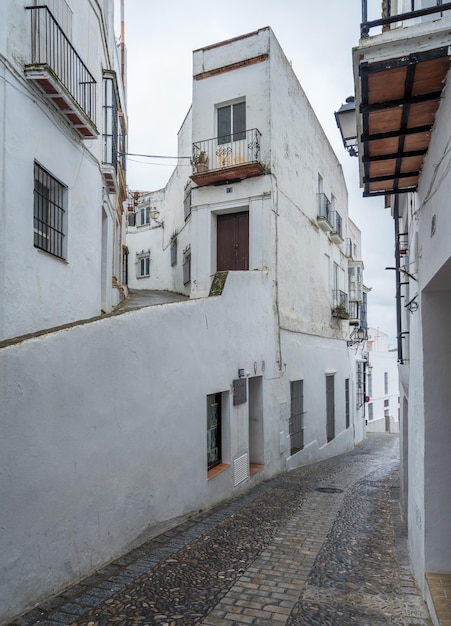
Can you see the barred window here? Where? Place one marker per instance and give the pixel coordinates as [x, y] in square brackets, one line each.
[187, 201]
[49, 213]
[110, 120]
[174, 250]
[187, 265]
[360, 384]
[296, 421]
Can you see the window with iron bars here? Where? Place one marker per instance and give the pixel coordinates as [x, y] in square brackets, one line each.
[173, 250]
[110, 120]
[49, 213]
[296, 423]
[360, 384]
[187, 201]
[187, 265]
[347, 407]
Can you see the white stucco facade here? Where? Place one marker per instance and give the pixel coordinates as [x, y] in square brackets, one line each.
[382, 384]
[424, 260]
[307, 268]
[103, 463]
[41, 289]
[425, 394]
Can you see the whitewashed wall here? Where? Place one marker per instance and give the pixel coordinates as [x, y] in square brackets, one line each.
[96, 469]
[383, 361]
[43, 291]
[425, 382]
[91, 464]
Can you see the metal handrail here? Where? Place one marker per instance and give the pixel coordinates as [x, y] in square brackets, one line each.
[366, 25]
[220, 152]
[50, 46]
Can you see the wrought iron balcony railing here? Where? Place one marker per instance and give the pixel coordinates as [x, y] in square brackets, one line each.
[60, 72]
[389, 17]
[215, 160]
[323, 206]
[340, 304]
[336, 221]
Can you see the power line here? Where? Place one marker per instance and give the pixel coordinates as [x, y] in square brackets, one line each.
[152, 156]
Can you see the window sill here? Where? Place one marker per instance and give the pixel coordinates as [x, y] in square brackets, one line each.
[218, 469]
[254, 468]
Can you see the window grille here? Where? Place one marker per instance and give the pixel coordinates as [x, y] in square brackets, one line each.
[360, 384]
[187, 265]
[174, 250]
[296, 423]
[49, 212]
[347, 408]
[187, 201]
[214, 444]
[110, 120]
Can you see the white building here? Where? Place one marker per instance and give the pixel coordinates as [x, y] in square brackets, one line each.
[266, 197]
[140, 419]
[62, 185]
[382, 384]
[402, 99]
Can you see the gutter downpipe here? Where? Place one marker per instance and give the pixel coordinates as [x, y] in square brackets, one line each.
[398, 281]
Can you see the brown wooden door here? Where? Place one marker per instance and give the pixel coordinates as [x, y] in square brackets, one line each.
[233, 241]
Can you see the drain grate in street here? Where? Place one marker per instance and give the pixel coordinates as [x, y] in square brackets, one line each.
[329, 490]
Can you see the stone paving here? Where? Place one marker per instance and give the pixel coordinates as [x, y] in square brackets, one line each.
[320, 545]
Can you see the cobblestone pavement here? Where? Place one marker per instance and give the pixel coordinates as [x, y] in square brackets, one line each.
[321, 545]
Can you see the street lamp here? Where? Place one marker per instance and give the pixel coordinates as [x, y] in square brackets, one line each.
[357, 336]
[347, 124]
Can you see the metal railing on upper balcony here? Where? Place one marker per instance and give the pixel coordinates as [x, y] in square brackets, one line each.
[222, 152]
[51, 47]
[324, 206]
[341, 299]
[337, 223]
[388, 17]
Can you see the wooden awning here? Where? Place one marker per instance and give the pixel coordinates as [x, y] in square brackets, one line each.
[399, 101]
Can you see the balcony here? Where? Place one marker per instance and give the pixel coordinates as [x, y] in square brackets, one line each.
[223, 159]
[60, 73]
[341, 307]
[354, 313]
[336, 233]
[401, 74]
[324, 211]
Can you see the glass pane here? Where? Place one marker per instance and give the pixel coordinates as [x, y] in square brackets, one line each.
[224, 124]
[239, 121]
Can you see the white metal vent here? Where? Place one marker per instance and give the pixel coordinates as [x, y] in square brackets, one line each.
[240, 469]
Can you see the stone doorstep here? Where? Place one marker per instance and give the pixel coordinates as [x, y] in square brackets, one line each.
[439, 594]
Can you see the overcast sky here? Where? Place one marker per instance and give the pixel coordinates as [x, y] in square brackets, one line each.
[316, 36]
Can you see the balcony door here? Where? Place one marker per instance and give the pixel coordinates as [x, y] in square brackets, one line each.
[231, 122]
[233, 241]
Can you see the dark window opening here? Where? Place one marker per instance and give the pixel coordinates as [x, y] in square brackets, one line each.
[49, 213]
[296, 424]
[232, 122]
[214, 419]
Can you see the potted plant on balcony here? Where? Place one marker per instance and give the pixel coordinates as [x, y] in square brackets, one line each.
[201, 161]
[340, 311]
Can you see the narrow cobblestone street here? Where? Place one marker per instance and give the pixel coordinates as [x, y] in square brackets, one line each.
[321, 545]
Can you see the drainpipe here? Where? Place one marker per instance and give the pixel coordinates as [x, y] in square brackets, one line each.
[398, 280]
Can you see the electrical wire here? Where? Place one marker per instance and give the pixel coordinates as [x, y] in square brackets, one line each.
[152, 156]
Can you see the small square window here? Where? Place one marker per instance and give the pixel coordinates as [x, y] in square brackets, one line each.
[143, 216]
[143, 264]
